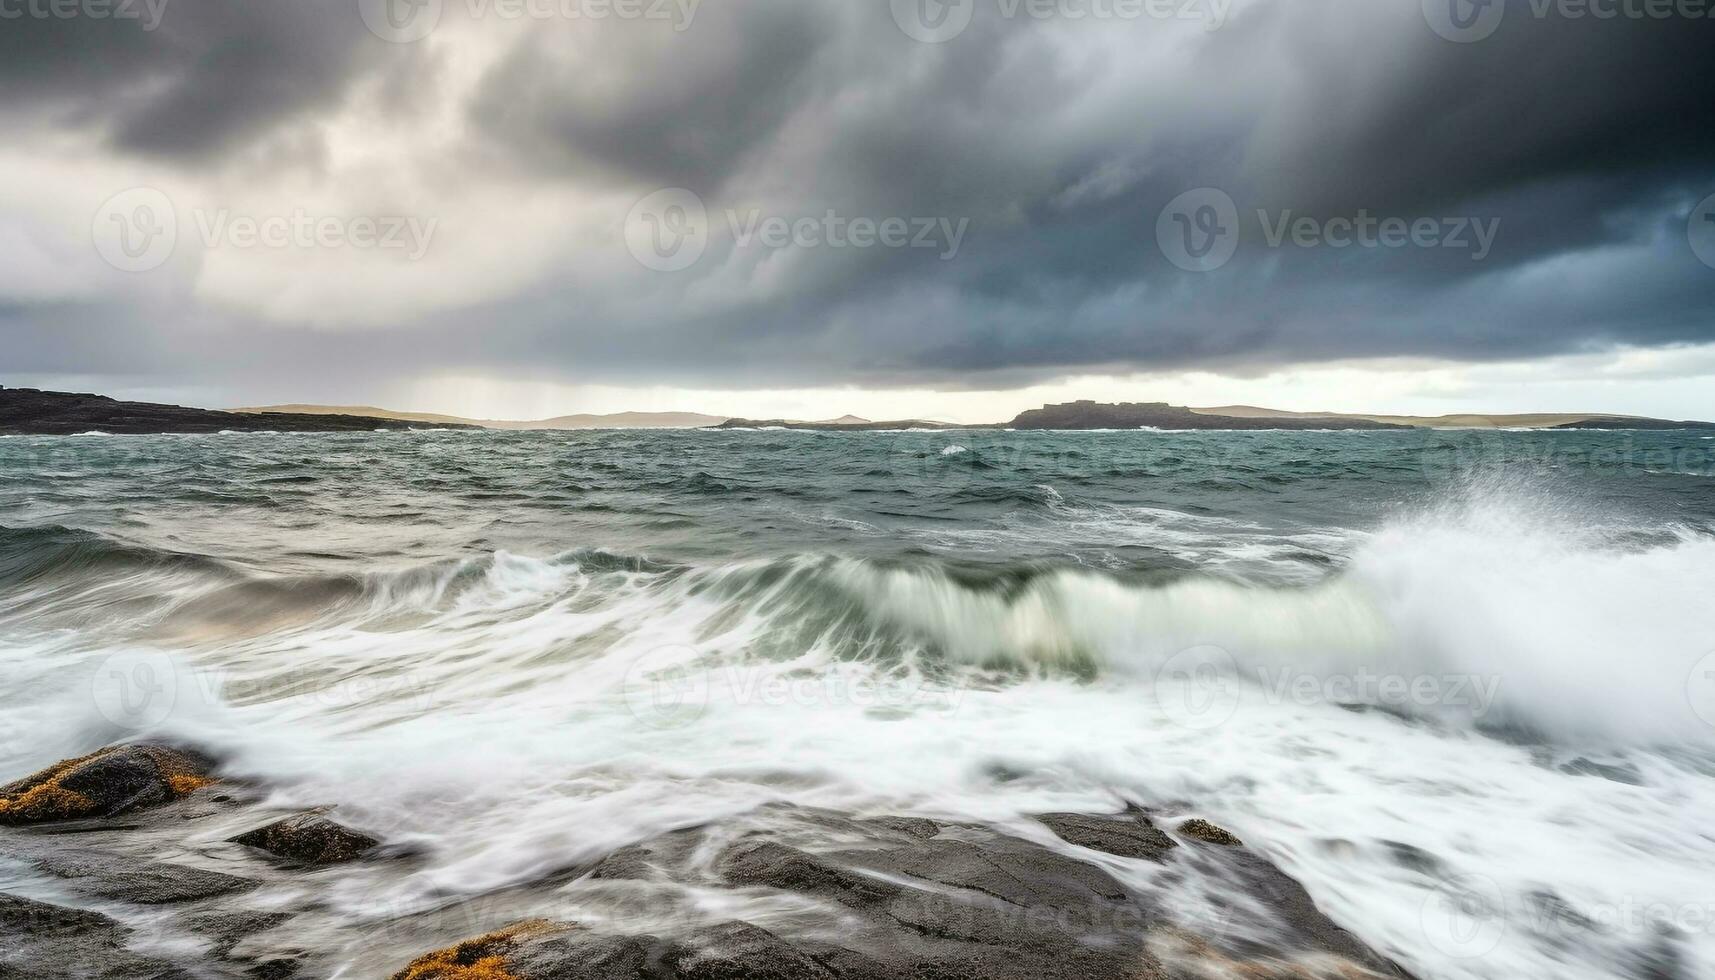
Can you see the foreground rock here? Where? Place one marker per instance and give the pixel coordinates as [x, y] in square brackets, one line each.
[309, 838]
[51, 942]
[103, 784]
[236, 891]
[894, 898]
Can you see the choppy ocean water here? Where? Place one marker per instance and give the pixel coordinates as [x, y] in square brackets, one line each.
[1461, 684]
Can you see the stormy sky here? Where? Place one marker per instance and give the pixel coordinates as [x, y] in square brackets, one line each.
[512, 207]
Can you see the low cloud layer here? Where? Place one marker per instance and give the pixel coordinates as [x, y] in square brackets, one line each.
[1137, 185]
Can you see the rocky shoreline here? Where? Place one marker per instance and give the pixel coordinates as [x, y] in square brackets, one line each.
[143, 862]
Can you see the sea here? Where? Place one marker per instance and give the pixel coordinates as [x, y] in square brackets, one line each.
[1460, 684]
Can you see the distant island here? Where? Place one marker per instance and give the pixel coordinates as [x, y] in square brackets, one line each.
[849, 423]
[29, 411]
[620, 420]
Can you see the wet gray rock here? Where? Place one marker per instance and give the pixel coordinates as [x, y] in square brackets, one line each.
[1302, 926]
[41, 941]
[309, 838]
[226, 929]
[143, 882]
[1129, 835]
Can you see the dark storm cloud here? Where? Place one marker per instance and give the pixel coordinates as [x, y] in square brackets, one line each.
[649, 104]
[185, 79]
[1586, 140]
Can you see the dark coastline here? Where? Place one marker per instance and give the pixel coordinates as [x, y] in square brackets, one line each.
[29, 411]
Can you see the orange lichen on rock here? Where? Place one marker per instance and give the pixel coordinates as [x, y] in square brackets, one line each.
[39, 797]
[482, 958]
[102, 783]
[185, 784]
[44, 801]
[1207, 832]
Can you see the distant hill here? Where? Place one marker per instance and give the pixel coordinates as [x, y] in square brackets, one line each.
[1468, 421]
[1576, 420]
[622, 420]
[1160, 415]
[840, 425]
[30, 411]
